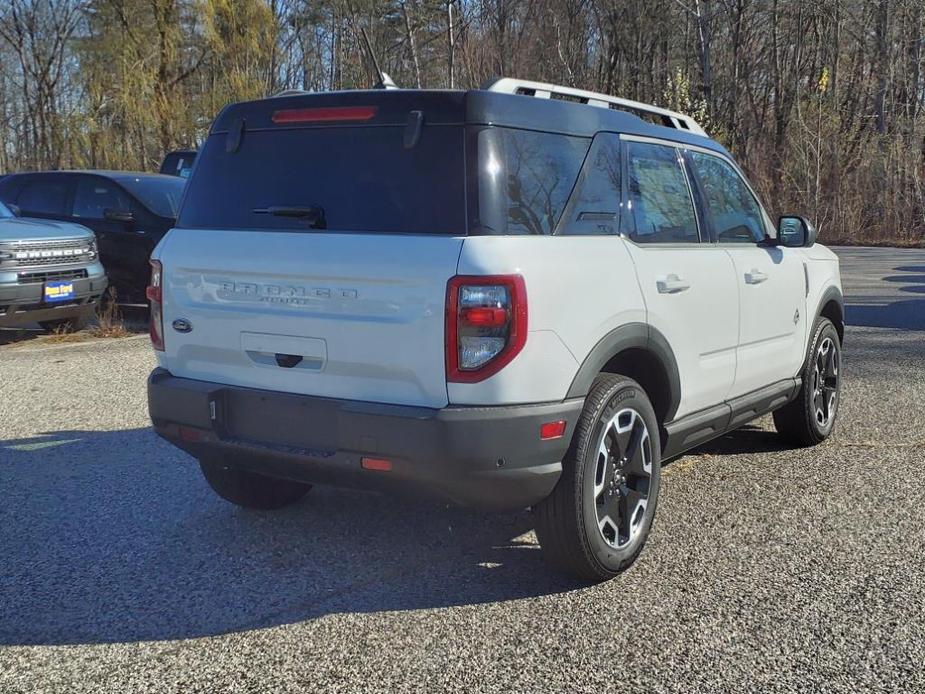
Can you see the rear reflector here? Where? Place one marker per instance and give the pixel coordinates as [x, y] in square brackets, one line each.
[193, 435]
[552, 430]
[324, 115]
[380, 464]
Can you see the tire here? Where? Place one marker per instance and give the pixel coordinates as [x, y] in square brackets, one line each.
[72, 324]
[810, 418]
[575, 524]
[249, 489]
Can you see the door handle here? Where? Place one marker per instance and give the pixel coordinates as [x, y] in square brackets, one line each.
[755, 276]
[672, 284]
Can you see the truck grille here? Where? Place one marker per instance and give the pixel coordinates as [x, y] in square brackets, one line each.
[45, 276]
[52, 252]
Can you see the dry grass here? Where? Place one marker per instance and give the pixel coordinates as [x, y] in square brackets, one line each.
[64, 335]
[109, 321]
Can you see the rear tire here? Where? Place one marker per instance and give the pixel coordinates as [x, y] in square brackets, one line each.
[810, 418]
[249, 489]
[597, 519]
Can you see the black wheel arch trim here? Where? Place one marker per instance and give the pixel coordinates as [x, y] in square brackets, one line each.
[833, 294]
[629, 336]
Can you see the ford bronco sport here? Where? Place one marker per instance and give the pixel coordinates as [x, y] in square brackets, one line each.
[525, 295]
[49, 272]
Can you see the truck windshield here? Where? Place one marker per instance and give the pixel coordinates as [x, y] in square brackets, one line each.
[5, 212]
[356, 178]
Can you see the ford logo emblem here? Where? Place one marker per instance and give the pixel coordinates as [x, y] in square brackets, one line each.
[181, 325]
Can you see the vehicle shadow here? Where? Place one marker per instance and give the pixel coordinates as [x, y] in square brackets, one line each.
[748, 439]
[18, 334]
[114, 536]
[888, 312]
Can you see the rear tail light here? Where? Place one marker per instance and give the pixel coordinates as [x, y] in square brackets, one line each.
[486, 325]
[155, 296]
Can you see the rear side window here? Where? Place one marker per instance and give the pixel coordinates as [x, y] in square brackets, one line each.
[660, 205]
[734, 212]
[596, 203]
[362, 177]
[94, 196]
[526, 179]
[45, 196]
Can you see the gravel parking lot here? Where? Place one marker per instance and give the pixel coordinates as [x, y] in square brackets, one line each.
[768, 569]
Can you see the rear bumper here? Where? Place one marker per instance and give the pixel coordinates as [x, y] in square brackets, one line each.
[23, 302]
[486, 457]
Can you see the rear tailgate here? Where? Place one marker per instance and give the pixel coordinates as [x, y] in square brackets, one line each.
[314, 244]
[362, 315]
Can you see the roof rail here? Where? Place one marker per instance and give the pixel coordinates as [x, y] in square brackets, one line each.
[288, 92]
[542, 90]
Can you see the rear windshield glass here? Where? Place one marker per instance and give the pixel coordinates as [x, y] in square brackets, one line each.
[159, 194]
[362, 177]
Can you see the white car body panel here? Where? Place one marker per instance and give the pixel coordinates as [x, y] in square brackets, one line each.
[366, 312]
[579, 288]
[382, 338]
[771, 285]
[700, 322]
[823, 273]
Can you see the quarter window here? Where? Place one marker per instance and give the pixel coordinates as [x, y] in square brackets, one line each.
[733, 210]
[660, 209]
[595, 205]
[526, 178]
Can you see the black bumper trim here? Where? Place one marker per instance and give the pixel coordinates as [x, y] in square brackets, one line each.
[31, 292]
[487, 457]
[23, 303]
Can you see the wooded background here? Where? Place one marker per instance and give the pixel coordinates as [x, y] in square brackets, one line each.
[820, 101]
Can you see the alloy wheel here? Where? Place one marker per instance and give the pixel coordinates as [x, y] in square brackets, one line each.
[622, 478]
[825, 381]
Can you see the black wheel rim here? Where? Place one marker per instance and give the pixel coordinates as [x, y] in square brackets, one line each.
[622, 477]
[825, 382]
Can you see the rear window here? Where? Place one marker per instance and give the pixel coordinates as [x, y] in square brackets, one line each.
[178, 164]
[362, 177]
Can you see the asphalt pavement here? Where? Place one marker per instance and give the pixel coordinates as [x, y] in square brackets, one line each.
[768, 569]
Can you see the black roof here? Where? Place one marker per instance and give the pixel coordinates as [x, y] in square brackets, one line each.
[450, 107]
[105, 173]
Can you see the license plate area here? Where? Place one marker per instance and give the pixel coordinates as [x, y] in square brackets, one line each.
[58, 291]
[281, 419]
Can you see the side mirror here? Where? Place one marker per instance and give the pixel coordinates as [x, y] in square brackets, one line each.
[794, 231]
[15, 209]
[124, 216]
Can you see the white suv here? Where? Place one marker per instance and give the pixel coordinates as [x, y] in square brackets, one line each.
[524, 295]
